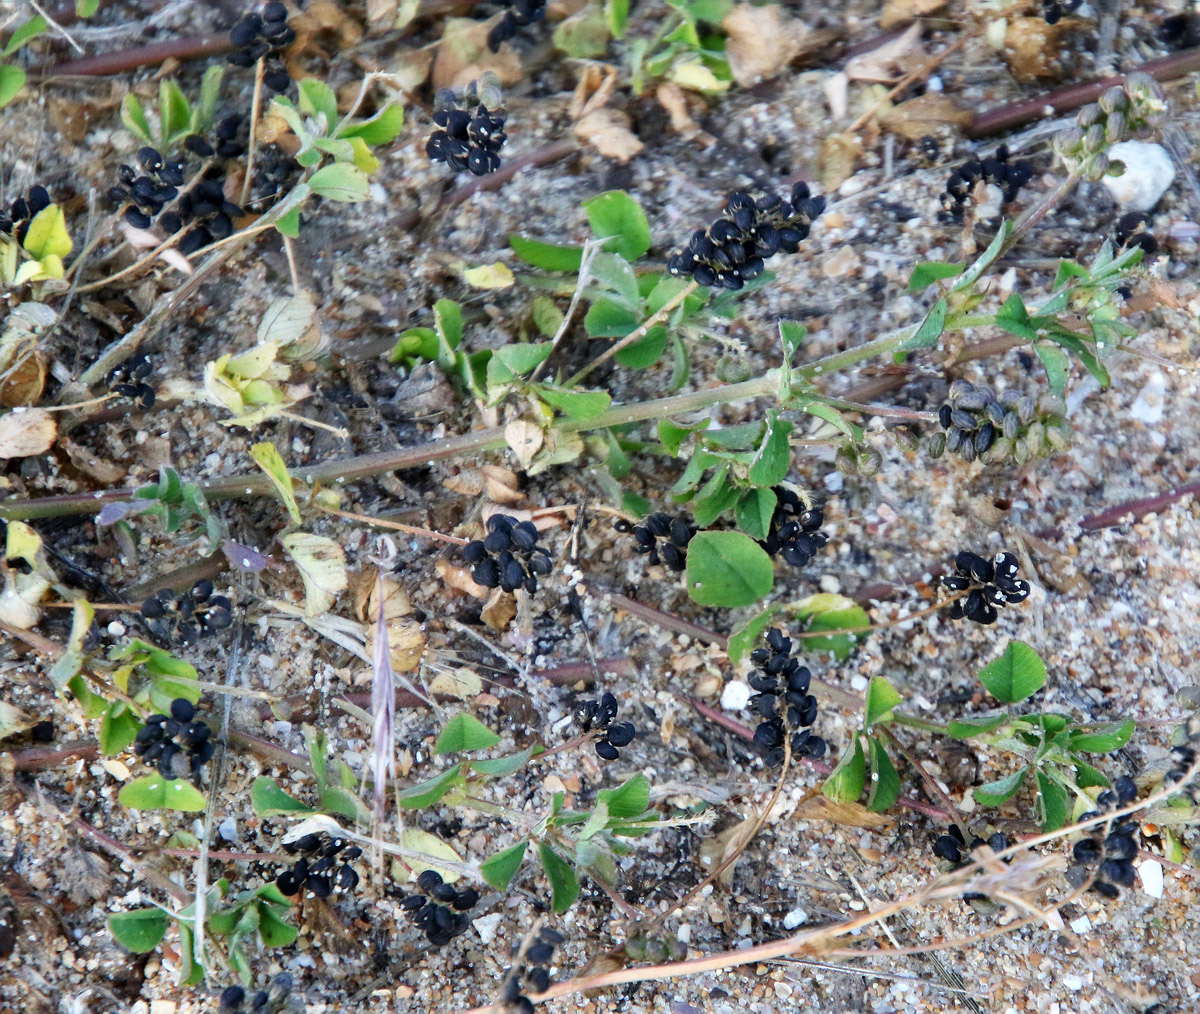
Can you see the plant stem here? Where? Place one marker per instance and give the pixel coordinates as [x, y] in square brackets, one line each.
[913, 722]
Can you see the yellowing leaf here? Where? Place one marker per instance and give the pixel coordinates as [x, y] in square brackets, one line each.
[433, 847]
[322, 565]
[48, 236]
[270, 461]
[697, 77]
[489, 276]
[253, 363]
[363, 158]
[288, 321]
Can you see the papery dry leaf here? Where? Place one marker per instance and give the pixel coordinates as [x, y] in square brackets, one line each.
[501, 484]
[524, 439]
[13, 720]
[715, 850]
[761, 42]
[26, 432]
[839, 157]
[821, 807]
[887, 62]
[467, 482]
[91, 464]
[897, 11]
[593, 90]
[1031, 49]
[316, 22]
[499, 610]
[463, 683]
[459, 578]
[607, 130]
[675, 101]
[463, 56]
[23, 382]
[925, 114]
[406, 643]
[411, 69]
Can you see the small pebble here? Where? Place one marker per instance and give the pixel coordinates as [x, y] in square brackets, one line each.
[1148, 173]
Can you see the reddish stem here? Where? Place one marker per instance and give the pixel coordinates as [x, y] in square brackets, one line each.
[1017, 114]
[143, 56]
[38, 758]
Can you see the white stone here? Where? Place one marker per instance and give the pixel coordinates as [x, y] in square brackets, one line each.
[735, 696]
[1082, 924]
[227, 829]
[1073, 982]
[1148, 172]
[858, 683]
[1148, 406]
[1151, 872]
[486, 926]
[796, 917]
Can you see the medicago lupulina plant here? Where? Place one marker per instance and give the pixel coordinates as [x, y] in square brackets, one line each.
[208, 172]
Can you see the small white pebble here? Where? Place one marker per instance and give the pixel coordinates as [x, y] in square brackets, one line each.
[227, 829]
[1082, 924]
[1148, 173]
[796, 917]
[486, 926]
[1073, 982]
[735, 696]
[1151, 872]
[117, 628]
[858, 682]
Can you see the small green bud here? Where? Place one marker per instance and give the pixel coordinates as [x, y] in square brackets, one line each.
[937, 445]
[1112, 99]
[1116, 129]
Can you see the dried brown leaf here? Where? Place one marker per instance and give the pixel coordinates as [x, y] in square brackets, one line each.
[13, 720]
[607, 130]
[839, 158]
[459, 578]
[1031, 49]
[463, 56]
[925, 114]
[524, 439]
[887, 62]
[717, 849]
[462, 683]
[26, 432]
[594, 89]
[896, 12]
[499, 610]
[23, 382]
[501, 484]
[675, 101]
[820, 807]
[761, 42]
[91, 464]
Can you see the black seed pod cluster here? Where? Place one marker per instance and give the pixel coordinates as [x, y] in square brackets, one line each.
[471, 136]
[954, 849]
[323, 866]
[263, 35]
[783, 701]
[438, 910]
[991, 584]
[1183, 757]
[128, 379]
[262, 1001]
[598, 716]
[733, 250]
[155, 196]
[675, 534]
[978, 424]
[517, 14]
[1114, 853]
[508, 556]
[533, 974]
[189, 616]
[1133, 230]
[15, 221]
[179, 743]
[794, 532]
[1010, 177]
[1053, 11]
